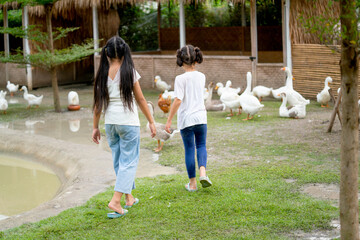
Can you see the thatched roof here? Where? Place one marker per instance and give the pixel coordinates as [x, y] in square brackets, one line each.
[298, 33]
[10, 5]
[64, 7]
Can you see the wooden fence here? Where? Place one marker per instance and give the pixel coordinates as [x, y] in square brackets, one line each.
[223, 38]
[312, 63]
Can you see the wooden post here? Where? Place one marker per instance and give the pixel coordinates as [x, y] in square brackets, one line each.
[182, 24]
[159, 25]
[254, 41]
[334, 101]
[6, 42]
[243, 15]
[26, 47]
[335, 110]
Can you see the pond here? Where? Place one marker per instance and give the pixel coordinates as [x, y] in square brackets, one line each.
[24, 184]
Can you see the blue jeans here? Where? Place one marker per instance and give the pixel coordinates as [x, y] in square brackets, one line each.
[194, 136]
[124, 142]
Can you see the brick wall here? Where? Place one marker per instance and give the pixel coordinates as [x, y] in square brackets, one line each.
[16, 75]
[216, 69]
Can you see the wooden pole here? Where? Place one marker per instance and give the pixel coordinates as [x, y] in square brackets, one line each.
[182, 24]
[6, 41]
[26, 47]
[335, 110]
[159, 25]
[95, 27]
[243, 14]
[254, 41]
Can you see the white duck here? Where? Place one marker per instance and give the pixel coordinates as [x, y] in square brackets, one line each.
[31, 98]
[73, 98]
[12, 88]
[3, 102]
[161, 85]
[323, 97]
[213, 105]
[297, 111]
[161, 134]
[167, 94]
[261, 92]
[249, 103]
[231, 100]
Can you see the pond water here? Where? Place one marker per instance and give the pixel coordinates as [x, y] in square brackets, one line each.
[33, 184]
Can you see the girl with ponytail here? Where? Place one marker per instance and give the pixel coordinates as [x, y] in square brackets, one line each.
[116, 85]
[191, 114]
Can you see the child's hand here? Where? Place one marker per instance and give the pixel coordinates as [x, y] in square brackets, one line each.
[96, 135]
[168, 126]
[152, 129]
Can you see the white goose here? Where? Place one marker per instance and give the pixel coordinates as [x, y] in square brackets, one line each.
[229, 88]
[249, 103]
[161, 134]
[293, 97]
[231, 100]
[3, 102]
[12, 88]
[323, 97]
[73, 98]
[297, 111]
[261, 92]
[161, 85]
[31, 98]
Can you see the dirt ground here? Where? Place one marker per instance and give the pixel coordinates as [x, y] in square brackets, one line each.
[311, 130]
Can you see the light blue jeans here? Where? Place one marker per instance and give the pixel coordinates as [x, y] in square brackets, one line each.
[124, 142]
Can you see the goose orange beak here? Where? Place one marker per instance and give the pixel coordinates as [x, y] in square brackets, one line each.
[283, 69]
[216, 87]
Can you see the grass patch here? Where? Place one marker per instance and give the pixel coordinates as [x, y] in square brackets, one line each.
[244, 203]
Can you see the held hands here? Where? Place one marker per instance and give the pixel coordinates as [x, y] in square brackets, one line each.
[152, 129]
[96, 135]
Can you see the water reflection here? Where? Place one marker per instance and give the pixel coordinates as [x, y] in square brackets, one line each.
[24, 185]
[74, 130]
[74, 125]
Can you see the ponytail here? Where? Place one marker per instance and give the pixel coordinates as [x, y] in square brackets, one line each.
[198, 55]
[188, 55]
[101, 95]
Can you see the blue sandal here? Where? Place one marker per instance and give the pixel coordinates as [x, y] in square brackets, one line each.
[116, 214]
[187, 187]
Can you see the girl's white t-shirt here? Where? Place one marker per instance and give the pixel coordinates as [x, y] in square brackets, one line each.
[116, 113]
[189, 88]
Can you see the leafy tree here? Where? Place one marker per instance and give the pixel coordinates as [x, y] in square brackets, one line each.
[345, 30]
[47, 58]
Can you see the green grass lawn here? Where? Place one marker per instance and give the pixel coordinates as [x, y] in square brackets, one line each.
[250, 199]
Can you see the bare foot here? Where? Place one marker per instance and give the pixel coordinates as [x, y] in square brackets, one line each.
[129, 198]
[116, 207]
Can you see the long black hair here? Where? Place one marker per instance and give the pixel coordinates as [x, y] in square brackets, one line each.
[188, 55]
[115, 48]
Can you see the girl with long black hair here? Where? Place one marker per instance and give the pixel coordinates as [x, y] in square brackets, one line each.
[116, 85]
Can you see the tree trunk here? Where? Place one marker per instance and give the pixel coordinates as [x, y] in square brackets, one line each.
[349, 219]
[54, 81]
